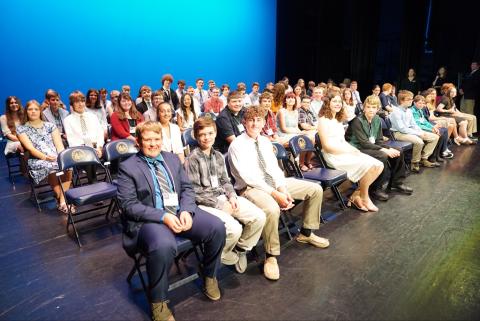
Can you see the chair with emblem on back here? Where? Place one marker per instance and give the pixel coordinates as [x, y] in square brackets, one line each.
[327, 177]
[81, 195]
[115, 152]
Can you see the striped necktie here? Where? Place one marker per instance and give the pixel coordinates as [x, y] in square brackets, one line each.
[86, 138]
[164, 187]
[261, 162]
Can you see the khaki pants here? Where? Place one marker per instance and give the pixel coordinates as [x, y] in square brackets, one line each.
[422, 148]
[467, 106]
[312, 193]
[252, 218]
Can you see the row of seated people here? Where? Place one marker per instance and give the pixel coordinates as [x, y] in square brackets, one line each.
[261, 191]
[439, 109]
[260, 183]
[187, 111]
[285, 120]
[338, 153]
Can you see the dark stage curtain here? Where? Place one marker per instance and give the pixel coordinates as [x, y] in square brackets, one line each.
[374, 40]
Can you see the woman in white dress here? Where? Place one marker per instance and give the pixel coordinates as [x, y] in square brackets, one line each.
[339, 154]
[93, 105]
[348, 104]
[171, 135]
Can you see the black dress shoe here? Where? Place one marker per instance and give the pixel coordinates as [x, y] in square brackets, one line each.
[402, 188]
[379, 195]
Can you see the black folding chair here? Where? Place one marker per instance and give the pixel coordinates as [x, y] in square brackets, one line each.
[184, 248]
[393, 142]
[405, 147]
[14, 166]
[189, 141]
[86, 194]
[40, 193]
[209, 114]
[327, 177]
[116, 151]
[282, 156]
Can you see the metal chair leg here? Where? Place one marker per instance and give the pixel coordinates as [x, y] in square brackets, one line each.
[339, 197]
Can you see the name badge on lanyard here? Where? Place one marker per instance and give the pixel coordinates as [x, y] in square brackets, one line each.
[170, 199]
[132, 123]
[269, 132]
[214, 180]
[371, 139]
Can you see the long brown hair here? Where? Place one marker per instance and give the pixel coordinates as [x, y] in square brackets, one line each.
[327, 112]
[278, 93]
[134, 113]
[28, 104]
[10, 114]
[450, 100]
[192, 107]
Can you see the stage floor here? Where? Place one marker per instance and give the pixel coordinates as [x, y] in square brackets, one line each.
[418, 258]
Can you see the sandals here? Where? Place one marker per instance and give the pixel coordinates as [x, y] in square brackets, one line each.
[371, 207]
[356, 202]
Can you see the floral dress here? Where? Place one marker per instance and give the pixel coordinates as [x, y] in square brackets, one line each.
[42, 140]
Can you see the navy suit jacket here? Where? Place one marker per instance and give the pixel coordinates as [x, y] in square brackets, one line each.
[136, 194]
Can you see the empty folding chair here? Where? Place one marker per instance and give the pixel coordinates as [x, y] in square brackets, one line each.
[116, 151]
[86, 194]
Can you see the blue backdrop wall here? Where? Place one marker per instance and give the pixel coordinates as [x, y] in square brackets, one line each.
[81, 44]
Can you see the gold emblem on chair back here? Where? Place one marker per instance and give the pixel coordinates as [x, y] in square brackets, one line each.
[78, 155]
[122, 148]
[302, 143]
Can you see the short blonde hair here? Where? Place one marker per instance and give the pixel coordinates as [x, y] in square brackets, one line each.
[372, 100]
[153, 126]
[404, 95]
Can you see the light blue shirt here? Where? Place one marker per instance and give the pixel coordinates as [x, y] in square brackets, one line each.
[158, 192]
[403, 122]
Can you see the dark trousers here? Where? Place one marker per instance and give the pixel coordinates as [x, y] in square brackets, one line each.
[157, 243]
[441, 145]
[393, 168]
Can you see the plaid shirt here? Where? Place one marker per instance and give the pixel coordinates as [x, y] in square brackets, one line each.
[200, 168]
[306, 116]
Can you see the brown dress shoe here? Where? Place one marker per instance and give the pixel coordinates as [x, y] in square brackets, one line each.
[426, 163]
[161, 312]
[211, 289]
[415, 168]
